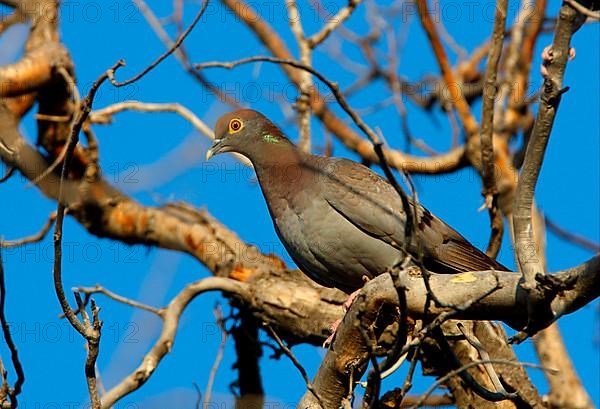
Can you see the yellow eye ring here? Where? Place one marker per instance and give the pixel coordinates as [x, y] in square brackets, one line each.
[235, 125]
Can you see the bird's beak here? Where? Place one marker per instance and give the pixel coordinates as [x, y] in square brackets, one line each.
[214, 149]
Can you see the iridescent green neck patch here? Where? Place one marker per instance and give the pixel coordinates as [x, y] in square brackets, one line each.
[270, 138]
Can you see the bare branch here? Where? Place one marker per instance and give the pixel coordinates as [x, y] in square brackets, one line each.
[528, 260]
[163, 345]
[349, 353]
[164, 55]
[594, 15]
[566, 389]
[12, 348]
[571, 237]
[488, 171]
[471, 364]
[454, 88]
[453, 160]
[35, 238]
[85, 331]
[218, 358]
[305, 85]
[296, 363]
[98, 289]
[90, 331]
[104, 116]
[342, 15]
[489, 368]
[179, 52]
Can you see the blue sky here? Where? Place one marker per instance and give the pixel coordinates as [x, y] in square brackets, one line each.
[159, 158]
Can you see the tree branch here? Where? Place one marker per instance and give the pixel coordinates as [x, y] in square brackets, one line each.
[488, 169]
[454, 87]
[529, 261]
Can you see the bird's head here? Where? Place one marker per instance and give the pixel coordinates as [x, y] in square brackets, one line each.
[244, 131]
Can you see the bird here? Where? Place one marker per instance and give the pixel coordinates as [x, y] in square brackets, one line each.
[340, 222]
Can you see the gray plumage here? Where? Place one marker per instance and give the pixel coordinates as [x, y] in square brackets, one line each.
[338, 220]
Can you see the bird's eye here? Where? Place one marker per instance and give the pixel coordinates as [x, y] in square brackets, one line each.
[235, 125]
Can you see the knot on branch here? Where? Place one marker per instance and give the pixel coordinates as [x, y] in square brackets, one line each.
[552, 94]
[550, 286]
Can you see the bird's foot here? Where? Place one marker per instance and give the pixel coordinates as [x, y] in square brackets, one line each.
[348, 303]
[547, 57]
[333, 328]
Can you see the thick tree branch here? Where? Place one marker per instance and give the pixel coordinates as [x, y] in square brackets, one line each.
[249, 352]
[348, 356]
[35, 70]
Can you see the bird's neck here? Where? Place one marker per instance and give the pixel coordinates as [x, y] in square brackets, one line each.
[281, 171]
[275, 156]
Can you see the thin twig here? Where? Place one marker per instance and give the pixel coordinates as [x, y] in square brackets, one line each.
[98, 289]
[373, 384]
[70, 147]
[411, 371]
[305, 86]
[164, 55]
[489, 368]
[571, 237]
[91, 332]
[9, 172]
[296, 363]
[471, 364]
[103, 116]
[333, 23]
[34, 238]
[457, 97]
[218, 357]
[14, 354]
[162, 346]
[488, 168]
[180, 52]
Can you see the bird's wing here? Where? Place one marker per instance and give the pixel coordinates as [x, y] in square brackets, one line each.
[369, 202]
[447, 251]
[363, 198]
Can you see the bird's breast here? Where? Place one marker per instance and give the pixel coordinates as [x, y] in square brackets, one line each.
[327, 247]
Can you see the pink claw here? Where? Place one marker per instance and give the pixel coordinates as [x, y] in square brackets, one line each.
[547, 54]
[547, 59]
[348, 303]
[333, 328]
